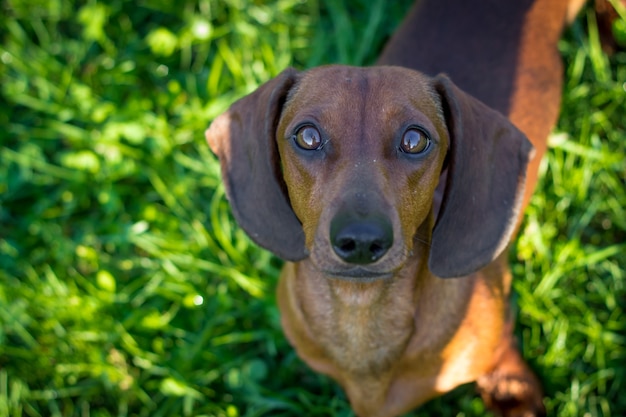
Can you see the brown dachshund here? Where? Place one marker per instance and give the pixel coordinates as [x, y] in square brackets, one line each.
[394, 194]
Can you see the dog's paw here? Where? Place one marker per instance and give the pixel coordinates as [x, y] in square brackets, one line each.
[512, 395]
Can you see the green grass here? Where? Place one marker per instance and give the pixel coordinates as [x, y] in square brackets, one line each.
[126, 289]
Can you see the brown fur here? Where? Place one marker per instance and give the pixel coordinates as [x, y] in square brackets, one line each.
[393, 331]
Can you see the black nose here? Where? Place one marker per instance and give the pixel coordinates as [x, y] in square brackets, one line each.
[361, 241]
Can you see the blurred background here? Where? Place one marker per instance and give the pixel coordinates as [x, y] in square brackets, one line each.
[126, 289]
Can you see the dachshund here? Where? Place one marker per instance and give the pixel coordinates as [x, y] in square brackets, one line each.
[393, 192]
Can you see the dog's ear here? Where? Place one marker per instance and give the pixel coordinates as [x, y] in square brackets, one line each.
[487, 163]
[244, 139]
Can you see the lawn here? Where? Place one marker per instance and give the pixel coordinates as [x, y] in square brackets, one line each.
[126, 288]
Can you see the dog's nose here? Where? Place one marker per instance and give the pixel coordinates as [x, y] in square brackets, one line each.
[361, 241]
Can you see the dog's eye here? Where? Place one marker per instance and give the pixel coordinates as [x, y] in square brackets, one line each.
[414, 141]
[308, 138]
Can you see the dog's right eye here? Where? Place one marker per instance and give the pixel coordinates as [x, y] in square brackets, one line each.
[308, 138]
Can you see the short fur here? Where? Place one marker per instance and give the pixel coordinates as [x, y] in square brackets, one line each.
[377, 313]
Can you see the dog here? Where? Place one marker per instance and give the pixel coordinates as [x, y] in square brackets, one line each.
[393, 192]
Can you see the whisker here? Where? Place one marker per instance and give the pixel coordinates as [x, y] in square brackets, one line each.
[422, 240]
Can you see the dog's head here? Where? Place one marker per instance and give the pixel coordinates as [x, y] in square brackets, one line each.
[342, 164]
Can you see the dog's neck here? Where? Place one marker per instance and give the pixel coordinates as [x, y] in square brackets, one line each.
[364, 326]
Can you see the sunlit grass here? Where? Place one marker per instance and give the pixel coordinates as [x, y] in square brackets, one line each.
[127, 289]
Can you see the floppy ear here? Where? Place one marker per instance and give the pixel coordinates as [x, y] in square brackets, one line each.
[485, 184]
[244, 140]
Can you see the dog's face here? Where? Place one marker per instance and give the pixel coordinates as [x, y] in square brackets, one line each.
[362, 150]
[340, 164]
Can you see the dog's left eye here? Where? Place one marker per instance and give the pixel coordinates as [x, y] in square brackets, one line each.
[414, 141]
[308, 138]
